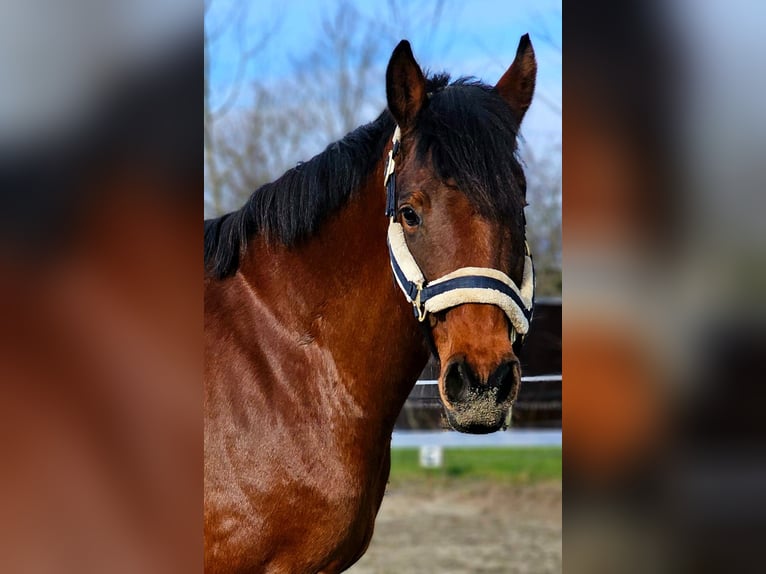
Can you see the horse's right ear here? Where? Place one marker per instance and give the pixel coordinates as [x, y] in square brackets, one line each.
[405, 86]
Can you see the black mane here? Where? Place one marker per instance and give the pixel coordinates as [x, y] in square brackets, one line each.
[469, 134]
[464, 128]
[293, 207]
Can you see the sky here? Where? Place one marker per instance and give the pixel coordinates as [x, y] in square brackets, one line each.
[474, 38]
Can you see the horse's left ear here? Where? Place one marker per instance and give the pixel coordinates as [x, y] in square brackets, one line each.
[518, 83]
[405, 86]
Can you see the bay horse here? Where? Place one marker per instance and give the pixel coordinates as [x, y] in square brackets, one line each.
[311, 348]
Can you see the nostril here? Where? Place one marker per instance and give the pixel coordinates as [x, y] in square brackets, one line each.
[506, 380]
[455, 386]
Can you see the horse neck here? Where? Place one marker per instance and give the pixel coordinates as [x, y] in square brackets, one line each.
[335, 291]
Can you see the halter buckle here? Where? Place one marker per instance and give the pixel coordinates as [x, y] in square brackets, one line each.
[420, 310]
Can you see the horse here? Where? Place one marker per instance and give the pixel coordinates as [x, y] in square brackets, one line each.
[324, 294]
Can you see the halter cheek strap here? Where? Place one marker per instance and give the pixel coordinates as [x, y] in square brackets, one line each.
[465, 285]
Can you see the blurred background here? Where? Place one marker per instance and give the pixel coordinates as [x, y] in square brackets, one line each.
[664, 464]
[101, 169]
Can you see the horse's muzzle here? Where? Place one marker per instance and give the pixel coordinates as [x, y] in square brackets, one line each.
[480, 406]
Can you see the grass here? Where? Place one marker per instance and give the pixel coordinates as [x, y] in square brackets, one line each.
[501, 464]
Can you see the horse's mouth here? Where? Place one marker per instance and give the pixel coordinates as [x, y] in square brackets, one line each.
[460, 424]
[480, 414]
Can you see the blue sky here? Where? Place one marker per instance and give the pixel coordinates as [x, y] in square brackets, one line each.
[477, 38]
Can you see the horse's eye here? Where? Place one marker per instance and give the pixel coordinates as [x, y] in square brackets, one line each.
[410, 217]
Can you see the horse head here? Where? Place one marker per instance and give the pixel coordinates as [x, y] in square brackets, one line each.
[457, 229]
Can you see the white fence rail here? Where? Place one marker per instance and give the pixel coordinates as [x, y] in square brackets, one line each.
[529, 379]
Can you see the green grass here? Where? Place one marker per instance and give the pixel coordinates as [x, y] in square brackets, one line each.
[503, 464]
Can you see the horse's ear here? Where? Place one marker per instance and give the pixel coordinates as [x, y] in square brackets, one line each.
[405, 86]
[518, 83]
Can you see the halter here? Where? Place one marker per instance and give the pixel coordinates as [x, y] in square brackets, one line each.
[464, 285]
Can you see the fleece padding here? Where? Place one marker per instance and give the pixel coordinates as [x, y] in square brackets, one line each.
[459, 296]
[404, 258]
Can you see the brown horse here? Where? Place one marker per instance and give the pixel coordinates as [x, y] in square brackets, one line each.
[311, 348]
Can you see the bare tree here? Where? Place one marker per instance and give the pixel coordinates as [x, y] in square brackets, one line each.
[340, 76]
[543, 171]
[220, 155]
[334, 89]
[336, 75]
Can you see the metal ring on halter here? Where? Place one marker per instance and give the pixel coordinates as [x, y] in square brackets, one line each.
[419, 307]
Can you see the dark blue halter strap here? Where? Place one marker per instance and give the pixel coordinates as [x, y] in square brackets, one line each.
[391, 179]
[391, 195]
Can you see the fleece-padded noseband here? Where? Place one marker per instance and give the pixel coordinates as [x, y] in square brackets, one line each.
[465, 285]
